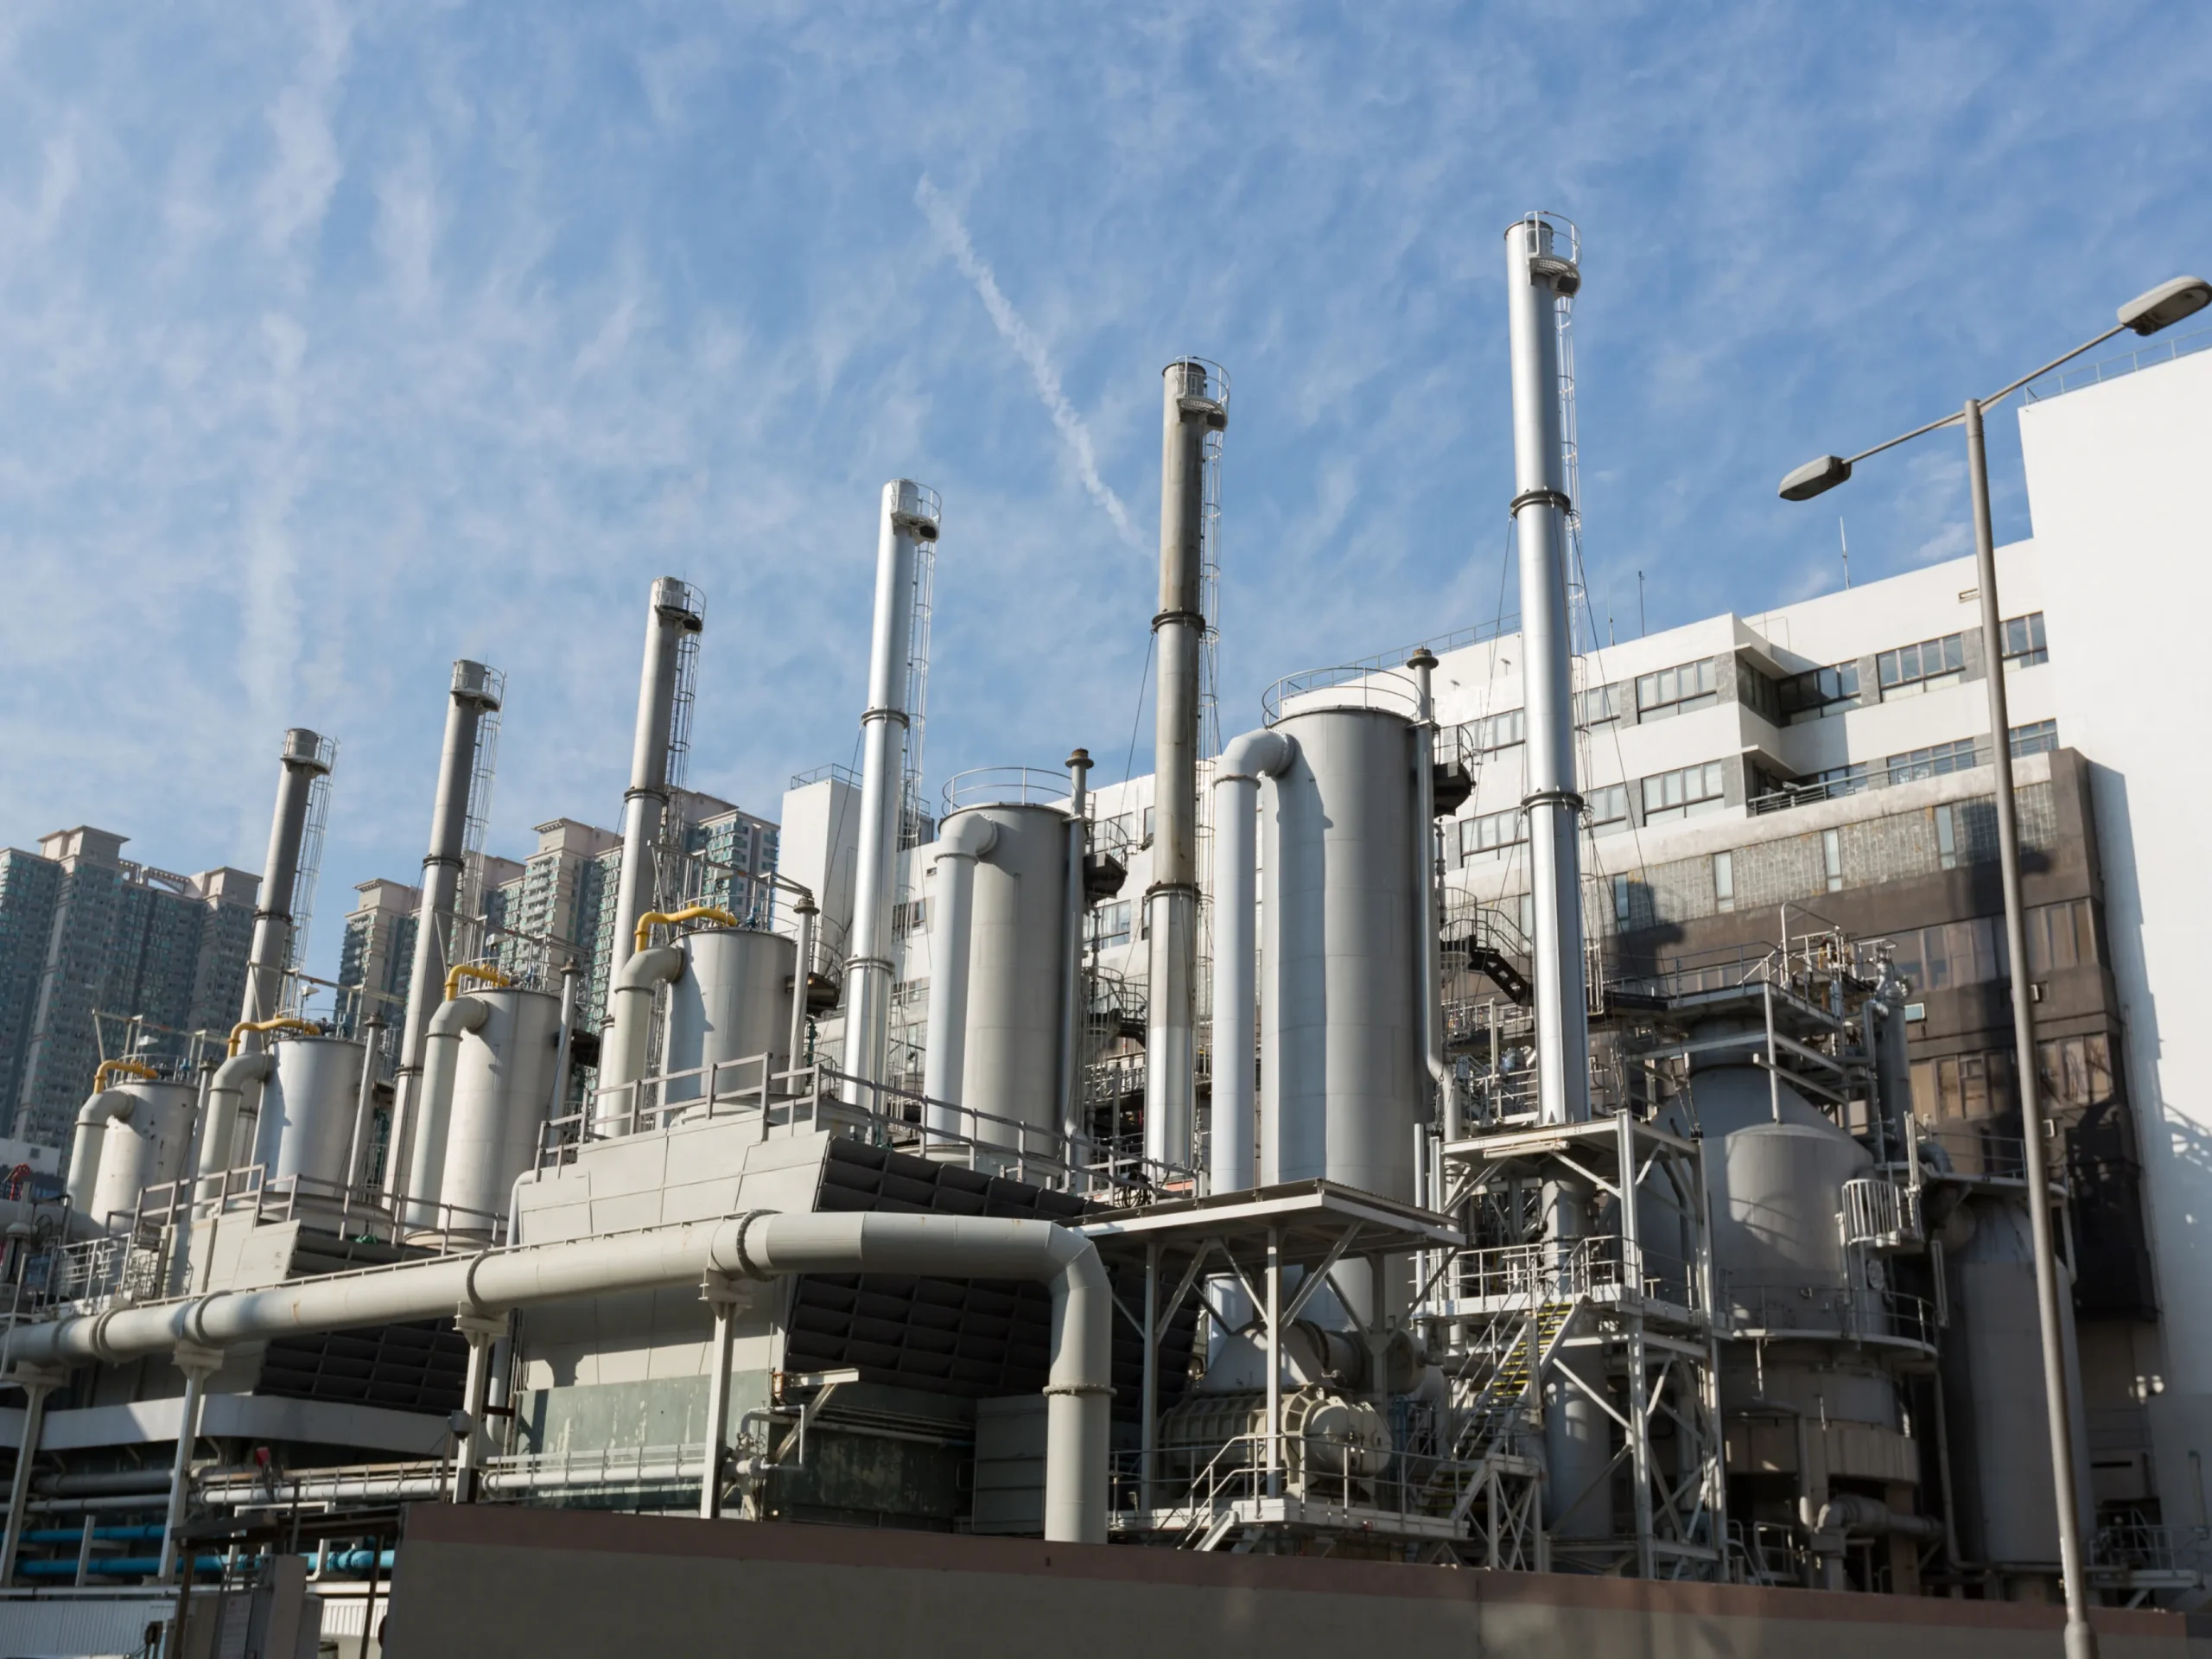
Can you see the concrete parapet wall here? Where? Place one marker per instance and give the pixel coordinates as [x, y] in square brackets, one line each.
[550, 1584]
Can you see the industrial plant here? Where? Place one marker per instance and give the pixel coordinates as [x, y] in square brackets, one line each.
[1522, 1109]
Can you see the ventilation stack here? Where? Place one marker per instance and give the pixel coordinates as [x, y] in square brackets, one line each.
[910, 516]
[1193, 406]
[469, 721]
[677, 617]
[307, 760]
[1541, 274]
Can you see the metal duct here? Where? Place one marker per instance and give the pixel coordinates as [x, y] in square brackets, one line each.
[910, 516]
[1540, 274]
[674, 614]
[1231, 1147]
[759, 1246]
[475, 693]
[1191, 407]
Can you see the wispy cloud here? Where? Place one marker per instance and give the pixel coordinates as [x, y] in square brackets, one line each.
[1019, 336]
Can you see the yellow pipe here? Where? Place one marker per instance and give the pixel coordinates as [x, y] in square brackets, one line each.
[697, 913]
[478, 971]
[128, 1068]
[281, 1022]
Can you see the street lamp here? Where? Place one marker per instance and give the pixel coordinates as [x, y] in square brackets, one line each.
[2148, 313]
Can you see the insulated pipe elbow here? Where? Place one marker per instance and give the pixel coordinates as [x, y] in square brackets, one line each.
[965, 839]
[1232, 1158]
[440, 1061]
[633, 1004]
[226, 1100]
[103, 1107]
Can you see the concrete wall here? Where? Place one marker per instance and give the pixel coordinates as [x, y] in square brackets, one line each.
[548, 1584]
[2122, 499]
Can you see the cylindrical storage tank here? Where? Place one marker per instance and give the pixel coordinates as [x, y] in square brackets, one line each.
[1775, 1184]
[732, 1002]
[151, 1147]
[306, 1126]
[1343, 1081]
[502, 1089]
[1017, 962]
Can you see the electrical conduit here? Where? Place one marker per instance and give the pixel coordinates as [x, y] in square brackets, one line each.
[1235, 958]
[967, 838]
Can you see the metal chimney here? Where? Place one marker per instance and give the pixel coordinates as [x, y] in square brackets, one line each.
[910, 516]
[676, 614]
[476, 693]
[307, 758]
[1542, 272]
[1193, 405]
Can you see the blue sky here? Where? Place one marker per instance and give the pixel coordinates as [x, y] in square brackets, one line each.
[337, 342]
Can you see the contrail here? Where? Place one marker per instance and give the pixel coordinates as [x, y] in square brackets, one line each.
[1019, 335]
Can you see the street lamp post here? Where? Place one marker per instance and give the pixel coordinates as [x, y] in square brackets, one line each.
[2165, 305]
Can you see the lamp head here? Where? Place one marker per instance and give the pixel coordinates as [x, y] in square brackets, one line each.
[2166, 304]
[1815, 478]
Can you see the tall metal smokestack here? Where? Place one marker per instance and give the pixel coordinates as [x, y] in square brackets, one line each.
[476, 695]
[677, 615]
[910, 516]
[307, 758]
[1540, 274]
[1193, 406]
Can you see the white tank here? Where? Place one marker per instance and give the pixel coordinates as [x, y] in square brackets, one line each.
[502, 1089]
[1776, 1187]
[1017, 958]
[1343, 1082]
[733, 1001]
[306, 1126]
[150, 1148]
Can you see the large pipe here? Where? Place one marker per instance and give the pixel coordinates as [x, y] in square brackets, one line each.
[910, 517]
[1428, 945]
[626, 1058]
[101, 1107]
[674, 614]
[1235, 951]
[271, 953]
[1172, 902]
[1073, 1130]
[761, 1245]
[226, 1092]
[474, 694]
[966, 838]
[441, 1062]
[1539, 275]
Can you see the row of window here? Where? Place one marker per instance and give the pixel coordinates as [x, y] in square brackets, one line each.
[1682, 794]
[1973, 952]
[2074, 1072]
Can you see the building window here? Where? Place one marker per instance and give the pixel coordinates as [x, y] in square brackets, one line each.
[2039, 738]
[1491, 833]
[1724, 880]
[1684, 794]
[1968, 1086]
[1495, 731]
[1937, 760]
[1758, 693]
[1677, 690]
[1528, 916]
[1620, 900]
[1110, 925]
[2023, 641]
[1947, 838]
[2077, 1071]
[1932, 663]
[908, 918]
[1818, 693]
[1605, 808]
[1147, 826]
[1598, 706]
[1831, 858]
[2063, 935]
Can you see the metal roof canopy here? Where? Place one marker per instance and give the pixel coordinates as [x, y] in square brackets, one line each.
[1308, 1218]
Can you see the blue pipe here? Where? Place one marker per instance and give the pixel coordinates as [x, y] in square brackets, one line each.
[126, 1567]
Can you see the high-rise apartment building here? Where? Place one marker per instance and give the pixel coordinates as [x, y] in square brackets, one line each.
[85, 932]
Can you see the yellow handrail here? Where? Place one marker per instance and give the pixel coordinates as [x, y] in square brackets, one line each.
[669, 918]
[281, 1022]
[482, 973]
[107, 1068]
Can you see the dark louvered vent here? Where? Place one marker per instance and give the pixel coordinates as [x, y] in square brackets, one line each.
[972, 1337]
[400, 1367]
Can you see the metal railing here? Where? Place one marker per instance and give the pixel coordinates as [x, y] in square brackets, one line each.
[804, 1099]
[1878, 1214]
[1191, 1489]
[1004, 786]
[1602, 1265]
[2124, 363]
[1850, 1313]
[1340, 688]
